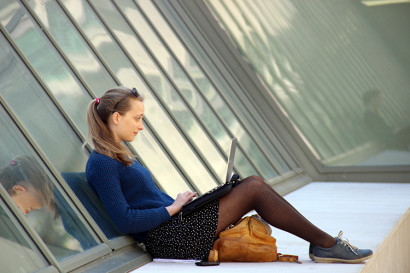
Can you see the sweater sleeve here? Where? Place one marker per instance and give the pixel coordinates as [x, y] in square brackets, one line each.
[104, 177]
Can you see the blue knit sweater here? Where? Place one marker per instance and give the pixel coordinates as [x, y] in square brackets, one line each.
[129, 194]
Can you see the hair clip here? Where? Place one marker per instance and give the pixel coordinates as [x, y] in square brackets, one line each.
[135, 92]
[97, 100]
[13, 163]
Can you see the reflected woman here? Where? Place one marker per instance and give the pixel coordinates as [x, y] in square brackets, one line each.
[29, 186]
[31, 189]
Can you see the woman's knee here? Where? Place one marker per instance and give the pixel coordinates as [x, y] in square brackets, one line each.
[254, 179]
[254, 182]
[257, 183]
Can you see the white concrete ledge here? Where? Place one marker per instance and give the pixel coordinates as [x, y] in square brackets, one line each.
[394, 252]
[366, 212]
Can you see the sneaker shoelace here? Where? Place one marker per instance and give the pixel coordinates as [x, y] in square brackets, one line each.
[346, 243]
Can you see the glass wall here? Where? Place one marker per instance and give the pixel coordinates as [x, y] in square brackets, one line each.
[20, 249]
[58, 55]
[55, 57]
[30, 188]
[205, 94]
[340, 69]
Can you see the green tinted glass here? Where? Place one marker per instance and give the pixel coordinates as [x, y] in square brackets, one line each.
[323, 74]
[15, 246]
[38, 196]
[65, 88]
[69, 40]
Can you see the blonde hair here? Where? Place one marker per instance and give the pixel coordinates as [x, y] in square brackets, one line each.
[27, 170]
[98, 114]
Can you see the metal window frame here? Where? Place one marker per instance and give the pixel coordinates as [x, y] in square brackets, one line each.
[168, 10]
[174, 9]
[297, 104]
[199, 25]
[197, 90]
[175, 87]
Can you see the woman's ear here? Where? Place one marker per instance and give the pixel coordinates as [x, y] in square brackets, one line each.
[19, 188]
[115, 117]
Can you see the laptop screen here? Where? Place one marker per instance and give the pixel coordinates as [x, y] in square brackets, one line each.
[229, 168]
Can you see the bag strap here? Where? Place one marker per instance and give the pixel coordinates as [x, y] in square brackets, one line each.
[288, 258]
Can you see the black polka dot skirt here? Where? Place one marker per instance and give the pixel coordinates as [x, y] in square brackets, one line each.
[191, 238]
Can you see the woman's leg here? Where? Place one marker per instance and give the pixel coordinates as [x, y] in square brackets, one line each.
[254, 194]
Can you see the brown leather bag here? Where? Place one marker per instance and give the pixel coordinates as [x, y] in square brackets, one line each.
[249, 240]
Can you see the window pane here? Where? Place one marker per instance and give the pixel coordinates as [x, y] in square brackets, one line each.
[37, 112]
[151, 153]
[343, 83]
[18, 253]
[72, 44]
[257, 147]
[41, 54]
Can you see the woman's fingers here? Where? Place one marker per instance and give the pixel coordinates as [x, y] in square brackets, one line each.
[191, 196]
[186, 196]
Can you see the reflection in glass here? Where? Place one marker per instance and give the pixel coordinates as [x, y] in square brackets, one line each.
[16, 248]
[45, 207]
[393, 139]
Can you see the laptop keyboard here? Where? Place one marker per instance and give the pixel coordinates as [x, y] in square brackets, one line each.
[214, 189]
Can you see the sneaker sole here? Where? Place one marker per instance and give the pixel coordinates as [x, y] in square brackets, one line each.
[335, 260]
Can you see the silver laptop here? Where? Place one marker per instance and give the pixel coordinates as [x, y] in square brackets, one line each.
[229, 168]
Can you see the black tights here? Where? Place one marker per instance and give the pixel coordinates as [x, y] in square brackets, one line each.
[254, 194]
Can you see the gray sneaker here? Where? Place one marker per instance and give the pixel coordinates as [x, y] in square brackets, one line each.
[342, 252]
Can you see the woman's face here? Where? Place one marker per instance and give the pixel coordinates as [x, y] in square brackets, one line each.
[27, 198]
[126, 127]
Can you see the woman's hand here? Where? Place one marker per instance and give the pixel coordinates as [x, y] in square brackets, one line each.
[181, 200]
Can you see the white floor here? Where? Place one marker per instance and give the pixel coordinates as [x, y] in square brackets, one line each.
[366, 212]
